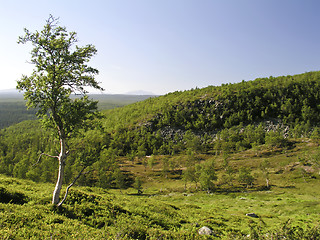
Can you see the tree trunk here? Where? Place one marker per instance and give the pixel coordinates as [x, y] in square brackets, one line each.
[62, 157]
[71, 184]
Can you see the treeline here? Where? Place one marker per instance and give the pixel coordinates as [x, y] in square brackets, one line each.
[22, 146]
[212, 120]
[19, 156]
[14, 112]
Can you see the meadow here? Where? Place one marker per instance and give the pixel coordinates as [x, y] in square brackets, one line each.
[289, 209]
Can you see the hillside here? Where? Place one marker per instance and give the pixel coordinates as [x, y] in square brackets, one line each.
[212, 120]
[193, 154]
[288, 210]
[288, 102]
[289, 98]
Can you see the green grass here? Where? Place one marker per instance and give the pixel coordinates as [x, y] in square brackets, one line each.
[112, 215]
[165, 211]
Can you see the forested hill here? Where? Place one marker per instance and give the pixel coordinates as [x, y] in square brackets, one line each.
[157, 125]
[288, 98]
[212, 120]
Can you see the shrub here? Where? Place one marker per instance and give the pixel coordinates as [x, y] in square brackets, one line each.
[276, 139]
[76, 196]
[245, 176]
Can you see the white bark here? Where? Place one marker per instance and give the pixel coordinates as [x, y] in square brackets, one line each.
[71, 184]
[62, 157]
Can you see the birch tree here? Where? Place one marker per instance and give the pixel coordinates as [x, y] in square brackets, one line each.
[61, 69]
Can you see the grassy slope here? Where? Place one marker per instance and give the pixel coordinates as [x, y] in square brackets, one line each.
[165, 210]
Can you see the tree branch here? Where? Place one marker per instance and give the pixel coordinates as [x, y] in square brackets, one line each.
[41, 156]
[70, 185]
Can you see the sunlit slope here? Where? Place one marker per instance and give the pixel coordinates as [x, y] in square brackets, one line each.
[212, 120]
[289, 98]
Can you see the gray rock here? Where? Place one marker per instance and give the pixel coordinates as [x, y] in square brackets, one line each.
[205, 231]
[252, 215]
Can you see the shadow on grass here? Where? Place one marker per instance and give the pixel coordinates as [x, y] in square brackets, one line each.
[287, 187]
[12, 197]
[140, 194]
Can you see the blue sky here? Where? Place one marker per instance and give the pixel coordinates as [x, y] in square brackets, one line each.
[171, 45]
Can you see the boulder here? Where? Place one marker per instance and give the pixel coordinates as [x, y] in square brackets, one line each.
[205, 231]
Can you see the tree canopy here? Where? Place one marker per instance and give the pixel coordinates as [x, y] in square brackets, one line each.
[61, 69]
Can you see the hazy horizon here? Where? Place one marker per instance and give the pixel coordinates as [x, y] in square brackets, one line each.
[137, 92]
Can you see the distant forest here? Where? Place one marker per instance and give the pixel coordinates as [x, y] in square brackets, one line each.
[13, 107]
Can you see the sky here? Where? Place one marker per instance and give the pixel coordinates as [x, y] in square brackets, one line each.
[162, 46]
